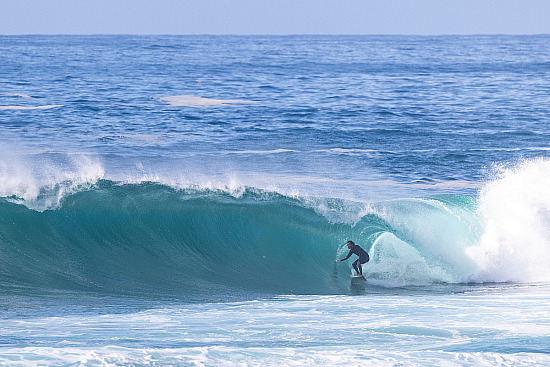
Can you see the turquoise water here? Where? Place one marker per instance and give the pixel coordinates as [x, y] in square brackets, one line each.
[182, 200]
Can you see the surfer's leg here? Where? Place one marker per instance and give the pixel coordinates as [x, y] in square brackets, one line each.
[359, 263]
[357, 267]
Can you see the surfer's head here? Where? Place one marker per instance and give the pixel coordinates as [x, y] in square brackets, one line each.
[350, 244]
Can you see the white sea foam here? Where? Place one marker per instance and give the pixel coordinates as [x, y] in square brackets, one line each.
[46, 107]
[432, 329]
[349, 151]
[515, 207]
[255, 356]
[273, 151]
[194, 101]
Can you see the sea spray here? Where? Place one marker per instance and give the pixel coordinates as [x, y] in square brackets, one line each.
[41, 182]
[243, 208]
[515, 210]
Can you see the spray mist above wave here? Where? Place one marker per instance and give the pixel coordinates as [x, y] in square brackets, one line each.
[42, 183]
[41, 180]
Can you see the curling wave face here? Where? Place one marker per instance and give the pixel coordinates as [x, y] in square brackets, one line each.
[150, 238]
[81, 231]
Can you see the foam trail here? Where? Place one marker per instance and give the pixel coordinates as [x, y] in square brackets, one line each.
[46, 107]
[273, 151]
[349, 151]
[515, 245]
[194, 101]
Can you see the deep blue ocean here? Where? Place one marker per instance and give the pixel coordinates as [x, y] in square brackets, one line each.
[181, 200]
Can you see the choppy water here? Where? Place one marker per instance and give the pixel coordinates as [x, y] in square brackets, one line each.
[181, 200]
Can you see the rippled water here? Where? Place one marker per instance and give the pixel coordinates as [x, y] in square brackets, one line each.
[174, 200]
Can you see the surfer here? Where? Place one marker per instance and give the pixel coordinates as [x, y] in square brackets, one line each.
[363, 257]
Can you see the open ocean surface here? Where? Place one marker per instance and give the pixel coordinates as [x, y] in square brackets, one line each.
[172, 200]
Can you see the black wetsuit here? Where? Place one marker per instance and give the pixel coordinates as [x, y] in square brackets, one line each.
[363, 258]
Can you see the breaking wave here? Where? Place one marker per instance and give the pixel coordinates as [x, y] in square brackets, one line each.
[146, 237]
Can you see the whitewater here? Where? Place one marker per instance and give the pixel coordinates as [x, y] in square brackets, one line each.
[174, 200]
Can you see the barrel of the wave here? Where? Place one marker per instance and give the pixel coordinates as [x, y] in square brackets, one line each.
[150, 238]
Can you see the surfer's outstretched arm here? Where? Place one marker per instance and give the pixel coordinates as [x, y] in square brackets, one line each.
[345, 258]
